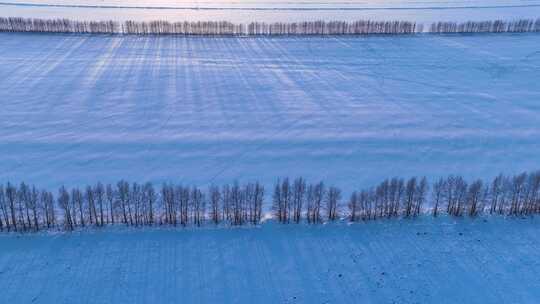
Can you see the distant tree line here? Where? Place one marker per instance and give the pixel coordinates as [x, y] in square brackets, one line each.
[496, 26]
[17, 24]
[207, 27]
[25, 208]
[361, 27]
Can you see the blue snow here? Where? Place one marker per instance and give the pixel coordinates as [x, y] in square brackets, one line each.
[493, 260]
[77, 109]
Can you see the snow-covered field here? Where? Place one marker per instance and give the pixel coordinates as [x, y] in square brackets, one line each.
[77, 109]
[350, 111]
[420, 261]
[422, 11]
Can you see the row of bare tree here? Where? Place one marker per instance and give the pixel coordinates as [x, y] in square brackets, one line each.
[26, 208]
[361, 27]
[208, 27]
[18, 24]
[496, 26]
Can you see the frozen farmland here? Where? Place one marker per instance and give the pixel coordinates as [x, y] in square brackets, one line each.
[352, 111]
[276, 151]
[410, 261]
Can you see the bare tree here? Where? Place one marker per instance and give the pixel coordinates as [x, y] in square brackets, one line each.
[282, 200]
[215, 198]
[183, 200]
[299, 190]
[33, 205]
[47, 203]
[64, 203]
[353, 206]
[3, 210]
[410, 191]
[534, 193]
[474, 197]
[135, 200]
[496, 190]
[314, 198]
[123, 196]
[397, 188]
[23, 198]
[364, 202]
[237, 200]
[420, 195]
[99, 192]
[455, 194]
[90, 204]
[226, 203]
[110, 194]
[438, 189]
[332, 201]
[258, 201]
[198, 202]
[11, 195]
[151, 198]
[77, 202]
[517, 191]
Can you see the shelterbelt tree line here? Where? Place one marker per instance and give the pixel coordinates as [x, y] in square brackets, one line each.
[359, 27]
[25, 208]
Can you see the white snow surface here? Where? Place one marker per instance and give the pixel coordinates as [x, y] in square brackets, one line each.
[243, 11]
[77, 109]
[401, 261]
